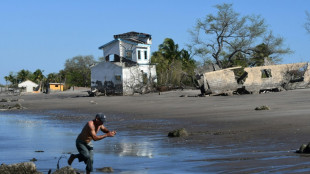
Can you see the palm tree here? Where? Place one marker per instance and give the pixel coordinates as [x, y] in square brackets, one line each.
[23, 75]
[38, 77]
[169, 50]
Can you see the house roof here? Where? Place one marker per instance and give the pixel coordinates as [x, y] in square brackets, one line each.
[101, 47]
[132, 34]
[130, 37]
[27, 83]
[56, 83]
[130, 41]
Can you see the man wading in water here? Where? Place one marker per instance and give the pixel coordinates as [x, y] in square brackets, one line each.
[84, 144]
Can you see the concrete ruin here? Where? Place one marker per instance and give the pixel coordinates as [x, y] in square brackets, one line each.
[252, 80]
[127, 68]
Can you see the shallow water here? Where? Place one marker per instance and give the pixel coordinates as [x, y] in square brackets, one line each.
[133, 152]
[23, 135]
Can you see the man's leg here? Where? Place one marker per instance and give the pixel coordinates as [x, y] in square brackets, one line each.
[85, 154]
[71, 158]
[90, 161]
[83, 151]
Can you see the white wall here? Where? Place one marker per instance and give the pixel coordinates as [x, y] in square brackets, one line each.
[29, 85]
[135, 48]
[123, 46]
[120, 47]
[133, 78]
[105, 71]
[113, 48]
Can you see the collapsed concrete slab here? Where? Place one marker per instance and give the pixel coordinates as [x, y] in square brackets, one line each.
[257, 79]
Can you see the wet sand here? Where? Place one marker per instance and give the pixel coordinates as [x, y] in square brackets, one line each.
[245, 140]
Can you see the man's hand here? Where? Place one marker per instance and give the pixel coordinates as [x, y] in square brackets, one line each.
[111, 133]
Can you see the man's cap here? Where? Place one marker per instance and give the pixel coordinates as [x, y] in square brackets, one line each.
[101, 117]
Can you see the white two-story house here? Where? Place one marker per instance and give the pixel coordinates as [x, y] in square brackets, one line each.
[127, 68]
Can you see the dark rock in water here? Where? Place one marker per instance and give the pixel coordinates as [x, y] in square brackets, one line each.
[25, 168]
[65, 170]
[106, 170]
[304, 148]
[33, 159]
[178, 133]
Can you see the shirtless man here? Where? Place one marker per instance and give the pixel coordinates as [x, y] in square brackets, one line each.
[84, 144]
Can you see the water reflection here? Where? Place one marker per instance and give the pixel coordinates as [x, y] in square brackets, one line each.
[141, 149]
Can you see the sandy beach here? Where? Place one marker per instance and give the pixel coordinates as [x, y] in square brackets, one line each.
[263, 139]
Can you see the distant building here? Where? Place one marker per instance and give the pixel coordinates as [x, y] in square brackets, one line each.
[127, 68]
[56, 86]
[28, 86]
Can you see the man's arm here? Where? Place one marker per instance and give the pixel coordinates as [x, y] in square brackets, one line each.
[104, 129]
[93, 132]
[99, 137]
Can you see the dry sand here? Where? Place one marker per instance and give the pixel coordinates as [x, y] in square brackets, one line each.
[213, 120]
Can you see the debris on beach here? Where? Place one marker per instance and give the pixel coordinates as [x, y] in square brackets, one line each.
[264, 107]
[65, 170]
[93, 102]
[25, 168]
[106, 169]
[4, 100]
[254, 80]
[17, 106]
[192, 95]
[178, 133]
[11, 107]
[304, 148]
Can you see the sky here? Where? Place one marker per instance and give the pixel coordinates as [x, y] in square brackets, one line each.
[36, 34]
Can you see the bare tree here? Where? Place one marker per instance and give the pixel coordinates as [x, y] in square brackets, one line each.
[307, 24]
[224, 35]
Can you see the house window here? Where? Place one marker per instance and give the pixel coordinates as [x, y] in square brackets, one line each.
[56, 86]
[139, 54]
[129, 54]
[118, 77]
[266, 73]
[145, 55]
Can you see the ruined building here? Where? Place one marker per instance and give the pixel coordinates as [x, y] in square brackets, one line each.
[127, 68]
[253, 80]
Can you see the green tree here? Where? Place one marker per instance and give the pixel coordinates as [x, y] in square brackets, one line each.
[224, 35]
[38, 76]
[162, 65]
[172, 64]
[100, 59]
[77, 70]
[11, 78]
[53, 78]
[24, 75]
